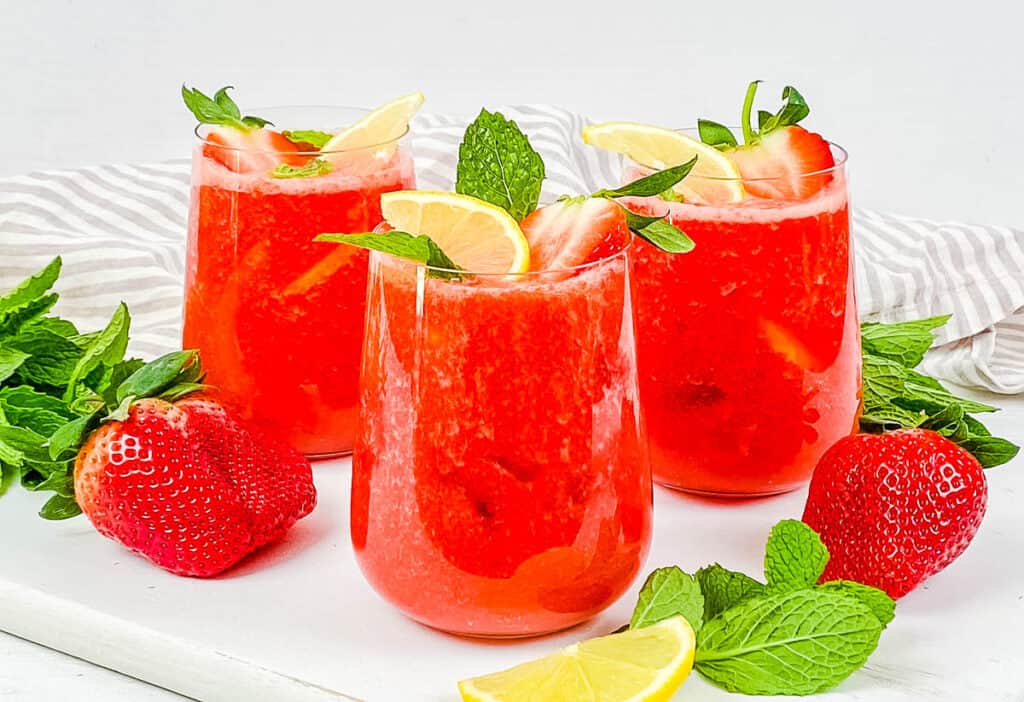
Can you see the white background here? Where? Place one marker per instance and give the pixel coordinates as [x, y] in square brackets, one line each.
[925, 96]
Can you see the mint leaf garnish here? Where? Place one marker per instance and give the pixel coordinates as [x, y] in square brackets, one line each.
[497, 164]
[419, 248]
[792, 111]
[880, 604]
[715, 134]
[313, 137]
[789, 643]
[724, 588]
[220, 109]
[795, 556]
[655, 230]
[650, 185]
[666, 593]
[315, 167]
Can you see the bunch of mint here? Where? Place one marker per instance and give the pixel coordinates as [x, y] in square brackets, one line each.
[787, 635]
[895, 395]
[54, 384]
[497, 164]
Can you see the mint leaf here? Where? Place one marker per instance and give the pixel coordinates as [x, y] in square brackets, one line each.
[220, 109]
[795, 556]
[51, 357]
[60, 507]
[904, 342]
[313, 137]
[497, 164]
[30, 289]
[60, 327]
[793, 110]
[668, 592]
[316, 167]
[653, 184]
[25, 407]
[10, 361]
[419, 248]
[715, 134]
[655, 230]
[107, 348]
[880, 604]
[157, 375]
[12, 321]
[787, 643]
[7, 475]
[724, 588]
[990, 451]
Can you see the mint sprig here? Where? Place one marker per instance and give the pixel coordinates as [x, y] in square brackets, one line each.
[787, 636]
[220, 109]
[57, 385]
[418, 248]
[313, 137]
[498, 164]
[895, 395]
[315, 167]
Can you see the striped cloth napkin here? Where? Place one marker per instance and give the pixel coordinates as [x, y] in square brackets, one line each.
[121, 231]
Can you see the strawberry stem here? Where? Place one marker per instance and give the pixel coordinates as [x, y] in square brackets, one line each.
[749, 135]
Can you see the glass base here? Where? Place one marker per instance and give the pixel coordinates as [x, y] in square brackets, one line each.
[500, 637]
[329, 455]
[727, 495]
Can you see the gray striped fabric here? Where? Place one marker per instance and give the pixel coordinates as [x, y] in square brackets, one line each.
[121, 231]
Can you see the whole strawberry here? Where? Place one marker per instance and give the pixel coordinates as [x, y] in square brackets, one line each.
[182, 482]
[895, 508]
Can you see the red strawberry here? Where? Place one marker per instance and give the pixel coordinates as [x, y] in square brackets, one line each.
[785, 164]
[251, 150]
[895, 508]
[183, 483]
[573, 232]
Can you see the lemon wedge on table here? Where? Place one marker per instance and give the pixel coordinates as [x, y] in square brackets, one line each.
[714, 178]
[380, 127]
[477, 236]
[639, 665]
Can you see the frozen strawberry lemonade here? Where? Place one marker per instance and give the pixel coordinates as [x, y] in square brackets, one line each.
[748, 347]
[277, 316]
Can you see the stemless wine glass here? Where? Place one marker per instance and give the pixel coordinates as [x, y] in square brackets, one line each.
[500, 486]
[748, 347]
[278, 317]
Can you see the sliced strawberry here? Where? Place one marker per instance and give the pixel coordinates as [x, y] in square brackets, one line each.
[778, 167]
[251, 151]
[574, 232]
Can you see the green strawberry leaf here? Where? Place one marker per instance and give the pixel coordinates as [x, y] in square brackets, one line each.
[715, 134]
[793, 110]
[668, 592]
[71, 435]
[650, 185]
[220, 109]
[152, 378]
[498, 164]
[990, 451]
[795, 556]
[419, 248]
[787, 643]
[313, 137]
[880, 604]
[315, 167]
[724, 588]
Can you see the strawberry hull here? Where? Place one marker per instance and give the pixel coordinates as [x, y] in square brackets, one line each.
[748, 347]
[278, 317]
[500, 484]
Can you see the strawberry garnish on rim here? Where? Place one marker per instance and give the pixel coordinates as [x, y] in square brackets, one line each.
[574, 231]
[778, 160]
[243, 144]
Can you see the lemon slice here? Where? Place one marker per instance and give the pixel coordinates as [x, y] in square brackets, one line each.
[379, 128]
[714, 179]
[640, 665]
[476, 235]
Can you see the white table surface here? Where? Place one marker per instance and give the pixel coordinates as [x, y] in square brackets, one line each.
[957, 638]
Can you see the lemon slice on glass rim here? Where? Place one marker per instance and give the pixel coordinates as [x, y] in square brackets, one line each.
[477, 236]
[639, 665]
[714, 178]
[380, 128]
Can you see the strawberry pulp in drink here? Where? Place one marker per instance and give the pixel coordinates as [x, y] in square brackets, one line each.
[278, 317]
[500, 481]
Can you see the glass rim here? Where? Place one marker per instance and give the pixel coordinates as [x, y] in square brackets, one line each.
[362, 111]
[840, 156]
[621, 252]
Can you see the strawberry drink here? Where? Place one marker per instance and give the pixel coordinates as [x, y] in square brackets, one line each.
[748, 348]
[278, 317]
[501, 486]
